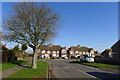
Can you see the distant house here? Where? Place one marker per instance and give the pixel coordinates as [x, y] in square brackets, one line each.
[116, 50]
[63, 52]
[75, 51]
[51, 51]
[107, 53]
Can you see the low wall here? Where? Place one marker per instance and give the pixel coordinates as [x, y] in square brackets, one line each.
[107, 60]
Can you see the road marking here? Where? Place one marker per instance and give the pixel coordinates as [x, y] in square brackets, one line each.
[92, 67]
[60, 62]
[87, 74]
[65, 67]
[83, 72]
[55, 68]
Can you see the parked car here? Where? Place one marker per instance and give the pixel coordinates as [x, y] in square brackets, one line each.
[86, 58]
[83, 58]
[89, 59]
[65, 57]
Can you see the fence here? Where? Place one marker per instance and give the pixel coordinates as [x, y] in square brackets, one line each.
[107, 60]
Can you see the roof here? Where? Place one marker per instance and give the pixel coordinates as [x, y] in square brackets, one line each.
[51, 48]
[116, 47]
[82, 49]
[107, 50]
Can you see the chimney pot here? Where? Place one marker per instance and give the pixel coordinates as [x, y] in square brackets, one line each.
[78, 46]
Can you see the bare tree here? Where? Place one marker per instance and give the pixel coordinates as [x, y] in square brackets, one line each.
[31, 24]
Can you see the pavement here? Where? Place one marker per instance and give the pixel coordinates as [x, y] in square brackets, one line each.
[13, 70]
[67, 69]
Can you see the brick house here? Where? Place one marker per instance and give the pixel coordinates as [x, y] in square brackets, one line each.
[75, 51]
[107, 53]
[116, 50]
[51, 51]
[63, 52]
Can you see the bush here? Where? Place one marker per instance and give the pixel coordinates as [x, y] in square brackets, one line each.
[20, 62]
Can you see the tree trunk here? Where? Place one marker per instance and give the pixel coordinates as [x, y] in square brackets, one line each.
[23, 54]
[34, 60]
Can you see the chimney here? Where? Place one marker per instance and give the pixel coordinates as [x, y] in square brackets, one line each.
[78, 46]
[50, 44]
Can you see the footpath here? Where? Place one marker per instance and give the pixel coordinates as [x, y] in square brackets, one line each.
[8, 72]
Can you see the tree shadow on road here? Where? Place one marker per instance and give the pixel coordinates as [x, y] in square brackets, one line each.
[103, 75]
[75, 62]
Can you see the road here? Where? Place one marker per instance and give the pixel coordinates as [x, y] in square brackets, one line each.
[68, 69]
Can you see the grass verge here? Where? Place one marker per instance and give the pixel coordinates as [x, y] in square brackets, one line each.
[5, 66]
[26, 72]
[100, 65]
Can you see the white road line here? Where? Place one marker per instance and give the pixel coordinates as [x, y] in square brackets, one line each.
[92, 67]
[87, 74]
[65, 67]
[74, 69]
[84, 72]
[55, 68]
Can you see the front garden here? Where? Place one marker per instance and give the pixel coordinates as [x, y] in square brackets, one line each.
[28, 72]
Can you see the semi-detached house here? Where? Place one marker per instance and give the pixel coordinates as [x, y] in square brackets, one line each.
[56, 51]
[52, 51]
[75, 51]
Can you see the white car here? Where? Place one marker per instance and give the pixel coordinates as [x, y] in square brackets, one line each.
[66, 57]
[89, 59]
[85, 58]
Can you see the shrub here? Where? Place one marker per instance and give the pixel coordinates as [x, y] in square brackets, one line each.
[20, 62]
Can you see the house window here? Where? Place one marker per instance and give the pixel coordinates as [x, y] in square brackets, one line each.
[76, 51]
[57, 51]
[63, 51]
[43, 51]
[71, 52]
[83, 52]
[48, 51]
[54, 51]
[54, 54]
[46, 55]
[92, 52]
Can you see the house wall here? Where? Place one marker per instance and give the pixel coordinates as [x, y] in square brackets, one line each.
[64, 52]
[49, 54]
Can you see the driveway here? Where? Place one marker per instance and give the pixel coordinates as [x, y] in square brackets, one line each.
[68, 69]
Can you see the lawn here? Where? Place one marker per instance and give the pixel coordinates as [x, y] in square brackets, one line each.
[99, 65]
[5, 66]
[39, 72]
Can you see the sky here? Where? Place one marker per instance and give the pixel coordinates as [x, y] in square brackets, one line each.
[90, 24]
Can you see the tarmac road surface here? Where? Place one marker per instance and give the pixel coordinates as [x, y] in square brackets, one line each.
[68, 69]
